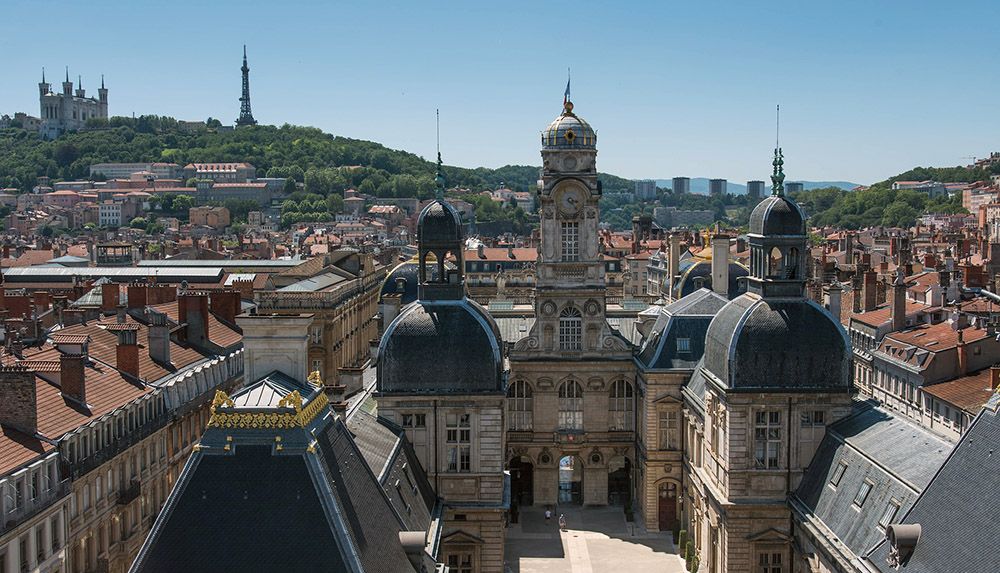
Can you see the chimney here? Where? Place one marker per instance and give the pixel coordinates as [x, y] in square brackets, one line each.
[833, 301]
[995, 376]
[510, 251]
[137, 296]
[72, 377]
[18, 402]
[963, 356]
[225, 305]
[193, 311]
[674, 263]
[42, 300]
[870, 290]
[120, 313]
[351, 379]
[109, 297]
[127, 350]
[481, 251]
[159, 337]
[720, 264]
[72, 316]
[275, 342]
[899, 301]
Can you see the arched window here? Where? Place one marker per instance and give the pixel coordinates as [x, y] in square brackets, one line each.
[519, 406]
[792, 264]
[570, 329]
[622, 404]
[775, 263]
[570, 406]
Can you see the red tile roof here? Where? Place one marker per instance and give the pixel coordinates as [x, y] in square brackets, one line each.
[969, 393]
[18, 449]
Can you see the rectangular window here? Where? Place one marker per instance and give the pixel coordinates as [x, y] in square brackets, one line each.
[767, 439]
[459, 439]
[863, 491]
[570, 240]
[669, 430]
[414, 420]
[889, 514]
[769, 563]
[683, 345]
[838, 474]
[460, 562]
[813, 418]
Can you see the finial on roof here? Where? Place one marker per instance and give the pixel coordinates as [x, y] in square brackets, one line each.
[102, 81]
[79, 81]
[244, 52]
[67, 74]
[439, 176]
[778, 176]
[43, 74]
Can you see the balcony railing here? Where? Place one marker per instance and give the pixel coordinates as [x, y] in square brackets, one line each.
[130, 493]
[44, 501]
[122, 443]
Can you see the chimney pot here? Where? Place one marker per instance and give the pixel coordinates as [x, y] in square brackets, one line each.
[18, 399]
[72, 377]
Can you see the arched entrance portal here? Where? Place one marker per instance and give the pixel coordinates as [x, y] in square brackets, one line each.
[667, 505]
[522, 474]
[570, 480]
[619, 480]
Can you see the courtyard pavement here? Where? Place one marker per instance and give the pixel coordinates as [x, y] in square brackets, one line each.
[596, 540]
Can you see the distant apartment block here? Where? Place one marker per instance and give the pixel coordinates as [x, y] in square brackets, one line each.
[717, 187]
[215, 217]
[645, 189]
[221, 172]
[672, 217]
[755, 189]
[126, 170]
[932, 188]
[681, 185]
[794, 187]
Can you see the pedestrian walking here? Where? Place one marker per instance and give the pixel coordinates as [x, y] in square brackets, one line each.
[548, 515]
[562, 521]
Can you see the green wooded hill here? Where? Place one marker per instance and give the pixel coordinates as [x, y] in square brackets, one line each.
[305, 154]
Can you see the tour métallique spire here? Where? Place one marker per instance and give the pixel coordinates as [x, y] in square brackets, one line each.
[246, 116]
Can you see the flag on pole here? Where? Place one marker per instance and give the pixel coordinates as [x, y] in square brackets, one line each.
[566, 95]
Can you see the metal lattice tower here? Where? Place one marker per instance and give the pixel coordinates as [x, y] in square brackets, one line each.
[246, 116]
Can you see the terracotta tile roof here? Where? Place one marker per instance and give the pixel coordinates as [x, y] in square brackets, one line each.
[18, 449]
[65, 337]
[40, 365]
[934, 337]
[969, 393]
[30, 258]
[883, 314]
[218, 333]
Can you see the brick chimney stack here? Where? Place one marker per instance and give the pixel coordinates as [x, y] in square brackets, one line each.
[18, 401]
[72, 377]
[720, 264]
[899, 301]
[127, 350]
[225, 304]
[109, 297]
[193, 311]
[870, 290]
[963, 356]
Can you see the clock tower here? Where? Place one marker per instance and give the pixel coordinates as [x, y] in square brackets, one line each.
[570, 282]
[572, 395]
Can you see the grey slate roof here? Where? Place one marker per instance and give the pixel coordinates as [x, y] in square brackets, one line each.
[777, 216]
[687, 318]
[314, 284]
[441, 347]
[691, 269]
[439, 222]
[793, 345]
[242, 512]
[695, 387]
[958, 510]
[409, 271]
[898, 458]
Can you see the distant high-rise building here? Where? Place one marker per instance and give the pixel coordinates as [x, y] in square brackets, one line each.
[717, 186]
[793, 187]
[645, 189]
[246, 117]
[755, 189]
[681, 185]
[69, 111]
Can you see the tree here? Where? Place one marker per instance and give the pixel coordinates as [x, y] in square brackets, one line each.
[65, 154]
[139, 223]
[183, 203]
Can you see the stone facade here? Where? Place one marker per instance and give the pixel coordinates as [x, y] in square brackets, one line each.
[69, 111]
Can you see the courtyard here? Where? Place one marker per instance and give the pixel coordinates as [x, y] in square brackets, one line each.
[595, 540]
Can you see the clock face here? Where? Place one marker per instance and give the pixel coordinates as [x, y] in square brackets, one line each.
[571, 201]
[569, 163]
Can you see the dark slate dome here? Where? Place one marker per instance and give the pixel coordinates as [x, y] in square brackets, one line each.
[569, 131]
[692, 269]
[756, 344]
[439, 222]
[408, 270]
[777, 215]
[439, 348]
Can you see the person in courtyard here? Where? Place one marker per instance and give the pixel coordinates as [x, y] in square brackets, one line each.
[548, 514]
[562, 521]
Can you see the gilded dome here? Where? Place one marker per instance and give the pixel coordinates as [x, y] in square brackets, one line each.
[568, 131]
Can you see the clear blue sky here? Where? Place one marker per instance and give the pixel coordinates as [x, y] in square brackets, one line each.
[867, 89]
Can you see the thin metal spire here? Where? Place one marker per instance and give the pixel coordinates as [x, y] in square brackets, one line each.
[79, 81]
[439, 176]
[102, 81]
[67, 74]
[43, 74]
[777, 125]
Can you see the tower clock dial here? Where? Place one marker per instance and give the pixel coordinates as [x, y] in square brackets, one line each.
[571, 201]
